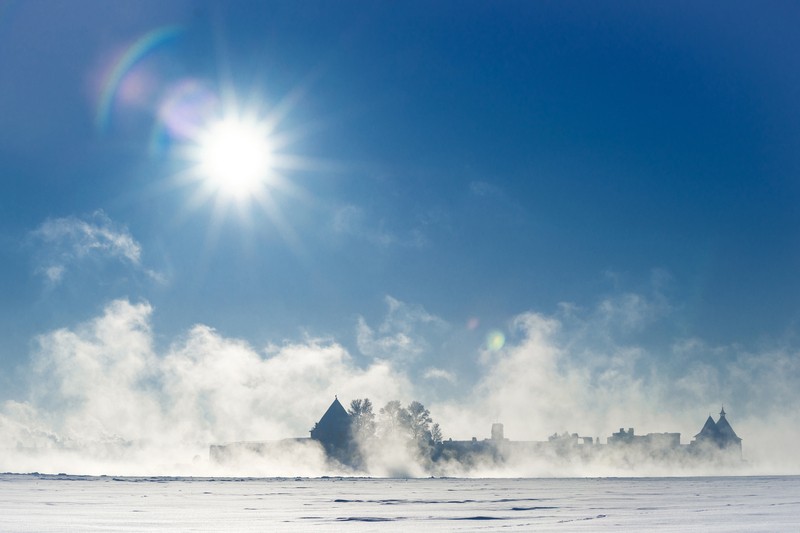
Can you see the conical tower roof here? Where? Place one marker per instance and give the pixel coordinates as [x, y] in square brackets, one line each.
[335, 410]
[709, 430]
[725, 430]
[334, 418]
[333, 430]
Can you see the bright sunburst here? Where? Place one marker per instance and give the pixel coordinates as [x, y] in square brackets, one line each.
[234, 156]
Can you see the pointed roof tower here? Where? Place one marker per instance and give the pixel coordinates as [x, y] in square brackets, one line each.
[333, 429]
[709, 430]
[726, 433]
[717, 435]
[334, 417]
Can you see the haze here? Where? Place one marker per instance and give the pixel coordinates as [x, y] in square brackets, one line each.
[559, 216]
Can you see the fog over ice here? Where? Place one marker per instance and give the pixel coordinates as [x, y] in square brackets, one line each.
[103, 400]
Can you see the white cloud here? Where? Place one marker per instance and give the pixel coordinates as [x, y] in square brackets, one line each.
[553, 376]
[439, 373]
[395, 345]
[54, 273]
[398, 337]
[70, 241]
[98, 234]
[102, 395]
[104, 398]
[627, 312]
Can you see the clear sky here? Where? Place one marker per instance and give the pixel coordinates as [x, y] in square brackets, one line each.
[433, 175]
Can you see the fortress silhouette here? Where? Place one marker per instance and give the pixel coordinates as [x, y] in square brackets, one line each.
[716, 442]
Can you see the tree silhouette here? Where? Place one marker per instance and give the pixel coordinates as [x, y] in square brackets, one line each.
[419, 422]
[436, 433]
[394, 420]
[363, 426]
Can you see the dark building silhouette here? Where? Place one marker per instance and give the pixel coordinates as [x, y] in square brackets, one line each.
[334, 431]
[717, 441]
[717, 435]
[652, 440]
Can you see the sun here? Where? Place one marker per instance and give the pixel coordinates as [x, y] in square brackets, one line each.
[233, 157]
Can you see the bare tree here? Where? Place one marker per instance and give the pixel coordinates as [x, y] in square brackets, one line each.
[413, 424]
[394, 420]
[436, 433]
[419, 422]
[363, 426]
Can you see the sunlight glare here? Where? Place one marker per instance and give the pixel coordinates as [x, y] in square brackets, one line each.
[234, 157]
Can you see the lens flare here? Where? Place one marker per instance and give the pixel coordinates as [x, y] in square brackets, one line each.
[495, 340]
[132, 55]
[186, 108]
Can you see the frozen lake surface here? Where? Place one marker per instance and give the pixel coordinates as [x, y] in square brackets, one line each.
[74, 503]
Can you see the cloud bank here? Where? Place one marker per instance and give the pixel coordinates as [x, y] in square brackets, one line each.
[104, 400]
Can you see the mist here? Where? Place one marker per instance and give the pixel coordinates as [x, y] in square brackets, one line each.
[102, 399]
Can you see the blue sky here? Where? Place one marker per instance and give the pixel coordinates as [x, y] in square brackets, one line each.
[628, 170]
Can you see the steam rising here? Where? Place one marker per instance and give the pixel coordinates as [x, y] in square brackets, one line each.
[104, 400]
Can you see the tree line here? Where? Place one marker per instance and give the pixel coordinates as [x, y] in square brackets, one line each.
[412, 423]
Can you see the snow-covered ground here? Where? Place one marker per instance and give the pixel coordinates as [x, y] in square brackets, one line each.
[73, 503]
